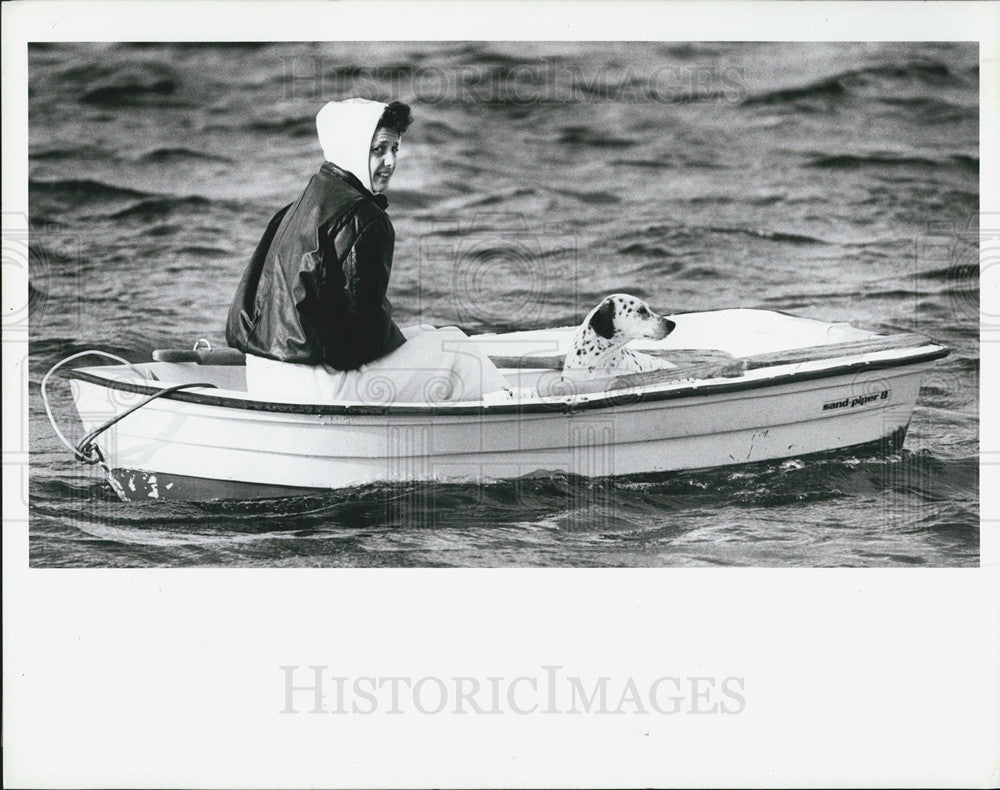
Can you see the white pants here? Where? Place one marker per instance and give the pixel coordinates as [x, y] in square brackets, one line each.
[432, 366]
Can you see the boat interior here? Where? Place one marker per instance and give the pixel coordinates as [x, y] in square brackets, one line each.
[711, 345]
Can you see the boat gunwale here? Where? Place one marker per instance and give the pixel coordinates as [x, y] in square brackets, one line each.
[566, 405]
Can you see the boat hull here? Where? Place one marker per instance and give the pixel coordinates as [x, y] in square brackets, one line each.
[174, 448]
[136, 485]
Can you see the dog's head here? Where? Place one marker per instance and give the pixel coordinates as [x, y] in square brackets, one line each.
[624, 317]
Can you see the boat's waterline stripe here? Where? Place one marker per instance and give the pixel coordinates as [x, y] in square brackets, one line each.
[606, 400]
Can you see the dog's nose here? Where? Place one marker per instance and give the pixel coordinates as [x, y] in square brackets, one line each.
[668, 326]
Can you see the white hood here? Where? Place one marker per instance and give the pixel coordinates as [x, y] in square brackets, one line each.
[345, 132]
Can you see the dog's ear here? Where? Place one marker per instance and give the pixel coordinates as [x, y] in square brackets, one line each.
[603, 320]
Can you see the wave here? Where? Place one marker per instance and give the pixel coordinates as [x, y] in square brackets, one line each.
[303, 126]
[36, 297]
[584, 135]
[857, 161]
[42, 255]
[781, 236]
[129, 93]
[156, 208]
[689, 50]
[596, 197]
[764, 199]
[440, 132]
[969, 162]
[171, 155]
[966, 361]
[651, 164]
[960, 271]
[839, 475]
[929, 71]
[477, 54]
[167, 229]
[965, 198]
[687, 233]
[542, 495]
[830, 87]
[933, 478]
[670, 163]
[47, 350]
[409, 198]
[363, 76]
[54, 491]
[75, 190]
[892, 293]
[495, 199]
[956, 522]
[204, 252]
[838, 86]
[77, 153]
[133, 84]
[644, 250]
[932, 110]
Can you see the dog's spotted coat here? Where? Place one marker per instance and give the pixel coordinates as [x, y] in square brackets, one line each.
[599, 344]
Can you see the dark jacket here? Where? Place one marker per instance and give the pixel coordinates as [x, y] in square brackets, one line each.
[314, 291]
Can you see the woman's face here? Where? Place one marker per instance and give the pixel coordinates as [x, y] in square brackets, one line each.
[382, 158]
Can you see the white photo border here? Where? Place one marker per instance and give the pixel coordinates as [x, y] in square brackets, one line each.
[170, 677]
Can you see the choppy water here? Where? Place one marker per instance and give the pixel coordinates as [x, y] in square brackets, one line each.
[833, 181]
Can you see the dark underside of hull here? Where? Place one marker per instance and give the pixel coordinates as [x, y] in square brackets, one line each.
[134, 485]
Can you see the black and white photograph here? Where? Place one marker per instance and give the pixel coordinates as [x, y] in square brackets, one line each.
[504, 304]
[416, 394]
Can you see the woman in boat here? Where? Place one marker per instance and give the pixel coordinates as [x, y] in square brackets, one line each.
[311, 312]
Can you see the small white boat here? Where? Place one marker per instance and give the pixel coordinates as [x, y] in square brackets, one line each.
[746, 386]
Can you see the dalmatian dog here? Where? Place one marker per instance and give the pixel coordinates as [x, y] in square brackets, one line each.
[598, 346]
